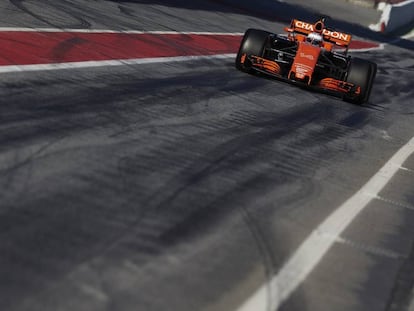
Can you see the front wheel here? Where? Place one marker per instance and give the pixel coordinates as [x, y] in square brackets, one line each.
[361, 73]
[253, 43]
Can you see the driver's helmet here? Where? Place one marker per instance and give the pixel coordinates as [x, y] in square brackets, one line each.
[314, 38]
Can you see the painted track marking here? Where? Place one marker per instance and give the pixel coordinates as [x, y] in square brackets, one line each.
[138, 32]
[116, 62]
[29, 48]
[271, 295]
[23, 48]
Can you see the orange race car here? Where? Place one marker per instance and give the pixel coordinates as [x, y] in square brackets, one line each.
[311, 55]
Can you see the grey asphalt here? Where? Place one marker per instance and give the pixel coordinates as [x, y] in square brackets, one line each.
[188, 185]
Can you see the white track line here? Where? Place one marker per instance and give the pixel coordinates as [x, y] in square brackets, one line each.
[139, 32]
[409, 35]
[117, 62]
[381, 46]
[272, 294]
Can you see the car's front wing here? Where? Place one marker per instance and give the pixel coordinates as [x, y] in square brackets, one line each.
[274, 69]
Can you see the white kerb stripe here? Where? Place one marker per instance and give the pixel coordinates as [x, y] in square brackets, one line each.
[272, 294]
[112, 31]
[104, 63]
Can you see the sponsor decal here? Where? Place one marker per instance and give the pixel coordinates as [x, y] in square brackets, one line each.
[302, 69]
[308, 56]
[304, 25]
[325, 32]
[336, 35]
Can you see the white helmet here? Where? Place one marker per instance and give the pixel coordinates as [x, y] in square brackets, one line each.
[314, 38]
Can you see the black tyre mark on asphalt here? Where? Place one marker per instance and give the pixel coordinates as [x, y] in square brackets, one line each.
[222, 158]
[126, 11]
[64, 47]
[82, 23]
[9, 173]
[402, 293]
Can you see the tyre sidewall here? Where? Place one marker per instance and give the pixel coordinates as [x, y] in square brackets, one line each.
[253, 43]
[361, 73]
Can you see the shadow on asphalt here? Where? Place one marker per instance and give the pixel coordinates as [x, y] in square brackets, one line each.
[278, 12]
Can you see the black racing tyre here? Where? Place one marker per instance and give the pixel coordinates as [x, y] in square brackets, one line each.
[362, 73]
[253, 43]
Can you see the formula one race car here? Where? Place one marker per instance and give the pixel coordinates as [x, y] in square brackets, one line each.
[310, 54]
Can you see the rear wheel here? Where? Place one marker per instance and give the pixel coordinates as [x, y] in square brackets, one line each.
[361, 73]
[253, 43]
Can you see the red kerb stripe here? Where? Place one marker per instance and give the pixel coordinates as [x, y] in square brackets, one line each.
[24, 47]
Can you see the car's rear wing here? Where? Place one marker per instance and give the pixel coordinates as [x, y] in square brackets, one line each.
[333, 36]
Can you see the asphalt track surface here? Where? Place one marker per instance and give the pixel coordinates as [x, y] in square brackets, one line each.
[188, 185]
